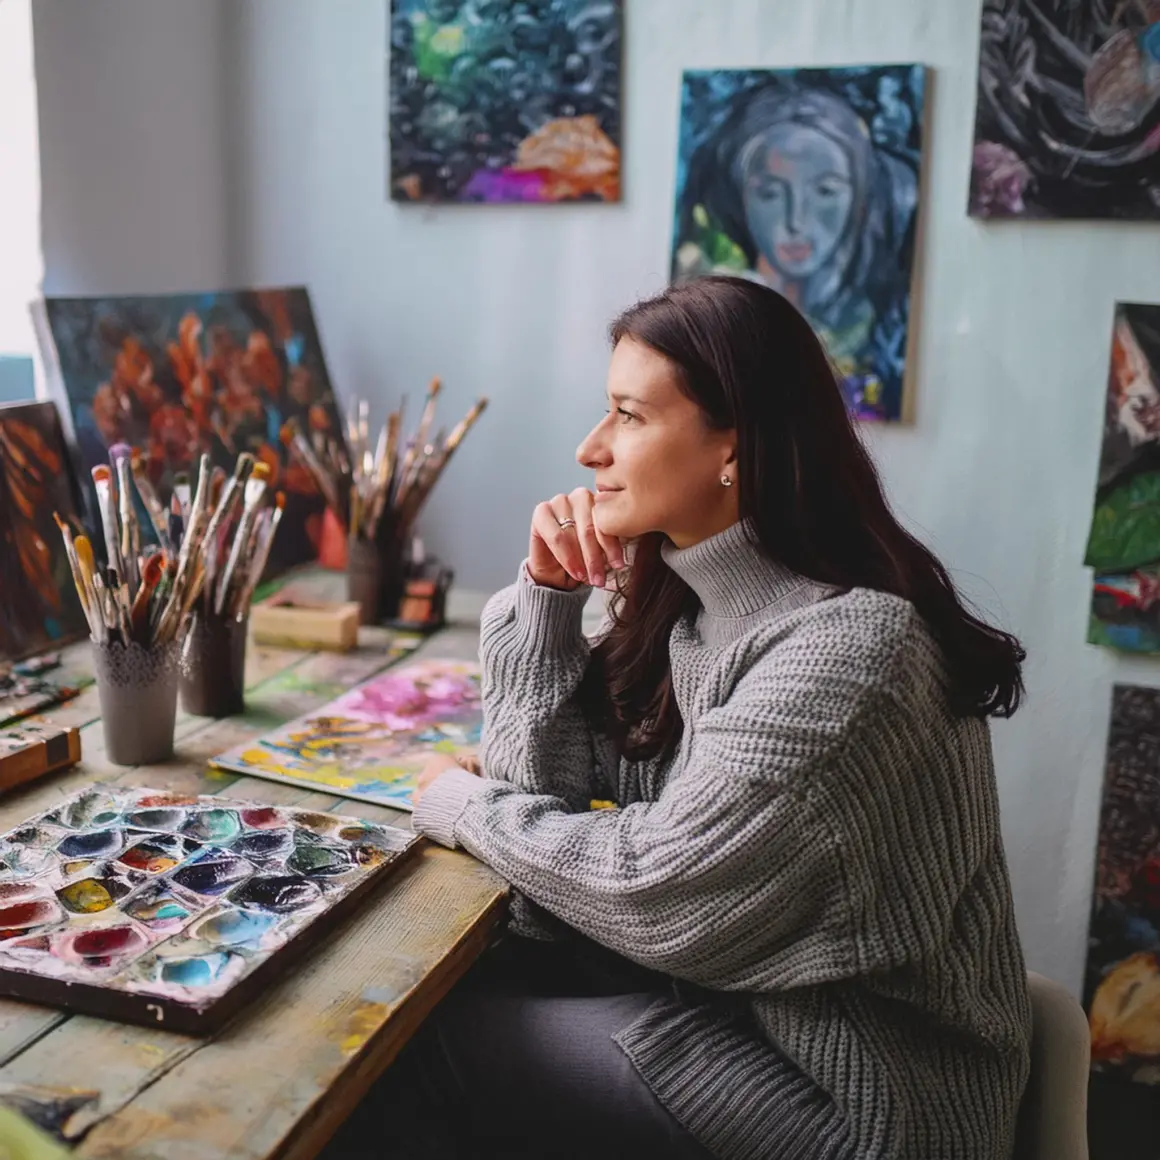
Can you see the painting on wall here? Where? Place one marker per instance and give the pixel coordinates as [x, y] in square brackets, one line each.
[493, 101]
[1122, 977]
[39, 606]
[1067, 121]
[372, 742]
[808, 180]
[1124, 541]
[177, 375]
[172, 910]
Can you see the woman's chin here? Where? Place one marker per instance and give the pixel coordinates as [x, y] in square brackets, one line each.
[618, 524]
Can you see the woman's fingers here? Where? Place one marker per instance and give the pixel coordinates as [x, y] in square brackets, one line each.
[596, 562]
[562, 542]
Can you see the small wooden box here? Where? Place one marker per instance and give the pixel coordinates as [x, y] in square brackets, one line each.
[33, 748]
[295, 623]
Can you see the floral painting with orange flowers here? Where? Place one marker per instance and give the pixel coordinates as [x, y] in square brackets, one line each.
[505, 100]
[181, 374]
[38, 602]
[1122, 981]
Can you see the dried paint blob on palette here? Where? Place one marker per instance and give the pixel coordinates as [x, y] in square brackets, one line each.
[174, 910]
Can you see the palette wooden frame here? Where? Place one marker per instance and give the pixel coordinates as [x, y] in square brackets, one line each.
[46, 890]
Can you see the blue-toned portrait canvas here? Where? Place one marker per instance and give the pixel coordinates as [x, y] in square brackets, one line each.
[808, 180]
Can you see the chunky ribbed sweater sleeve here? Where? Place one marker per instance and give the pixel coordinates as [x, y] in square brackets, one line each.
[533, 655]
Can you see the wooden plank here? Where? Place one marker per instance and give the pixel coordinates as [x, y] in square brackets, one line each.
[282, 1077]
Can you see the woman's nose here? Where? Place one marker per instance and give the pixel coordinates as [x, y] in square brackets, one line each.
[592, 452]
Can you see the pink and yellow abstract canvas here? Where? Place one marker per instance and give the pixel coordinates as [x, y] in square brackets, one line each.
[371, 743]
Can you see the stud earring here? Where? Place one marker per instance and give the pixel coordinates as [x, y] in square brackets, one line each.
[726, 481]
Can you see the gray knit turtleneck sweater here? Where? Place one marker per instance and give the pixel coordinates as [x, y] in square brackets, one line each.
[821, 858]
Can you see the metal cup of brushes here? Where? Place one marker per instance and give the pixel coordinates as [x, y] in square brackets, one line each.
[235, 549]
[378, 495]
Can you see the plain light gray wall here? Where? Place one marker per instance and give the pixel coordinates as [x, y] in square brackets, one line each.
[132, 104]
[997, 472]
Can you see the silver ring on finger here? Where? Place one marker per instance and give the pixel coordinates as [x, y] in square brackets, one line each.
[568, 523]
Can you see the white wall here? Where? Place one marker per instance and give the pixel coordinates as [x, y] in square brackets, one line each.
[21, 267]
[132, 97]
[997, 472]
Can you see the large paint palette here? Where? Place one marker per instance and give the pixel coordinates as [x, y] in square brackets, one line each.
[172, 910]
[372, 742]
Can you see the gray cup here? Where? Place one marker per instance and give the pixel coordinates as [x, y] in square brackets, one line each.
[137, 688]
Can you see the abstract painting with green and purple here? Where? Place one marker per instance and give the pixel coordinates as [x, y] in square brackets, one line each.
[808, 180]
[495, 101]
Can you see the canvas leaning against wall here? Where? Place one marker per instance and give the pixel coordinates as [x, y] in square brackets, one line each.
[495, 101]
[1068, 110]
[39, 607]
[1124, 542]
[178, 375]
[808, 180]
[1122, 979]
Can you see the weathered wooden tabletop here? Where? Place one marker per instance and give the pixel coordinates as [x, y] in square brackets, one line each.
[280, 1078]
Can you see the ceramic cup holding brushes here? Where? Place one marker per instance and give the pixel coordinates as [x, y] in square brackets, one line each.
[139, 602]
[236, 547]
[378, 494]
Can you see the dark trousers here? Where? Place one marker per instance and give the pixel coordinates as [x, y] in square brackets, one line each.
[518, 1061]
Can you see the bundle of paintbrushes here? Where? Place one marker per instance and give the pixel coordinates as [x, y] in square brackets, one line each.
[210, 548]
[378, 493]
[379, 501]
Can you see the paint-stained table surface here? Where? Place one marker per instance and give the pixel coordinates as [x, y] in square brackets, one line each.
[280, 1078]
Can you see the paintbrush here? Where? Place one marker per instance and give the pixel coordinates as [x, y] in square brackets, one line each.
[260, 558]
[181, 492]
[224, 509]
[292, 436]
[103, 480]
[438, 463]
[176, 524]
[190, 546]
[149, 497]
[75, 567]
[151, 572]
[255, 493]
[130, 533]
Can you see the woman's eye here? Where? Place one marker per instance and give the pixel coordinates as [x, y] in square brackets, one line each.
[625, 416]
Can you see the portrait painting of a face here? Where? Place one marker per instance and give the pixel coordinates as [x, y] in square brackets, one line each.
[808, 180]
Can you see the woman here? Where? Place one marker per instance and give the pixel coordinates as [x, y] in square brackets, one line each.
[792, 935]
[822, 211]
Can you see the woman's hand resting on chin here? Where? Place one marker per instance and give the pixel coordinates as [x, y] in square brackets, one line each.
[567, 549]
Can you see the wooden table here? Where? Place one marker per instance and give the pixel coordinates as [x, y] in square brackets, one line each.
[279, 1079]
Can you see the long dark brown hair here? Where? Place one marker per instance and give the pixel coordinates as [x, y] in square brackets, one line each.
[808, 492]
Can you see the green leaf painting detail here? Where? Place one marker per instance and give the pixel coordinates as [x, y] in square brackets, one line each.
[1125, 529]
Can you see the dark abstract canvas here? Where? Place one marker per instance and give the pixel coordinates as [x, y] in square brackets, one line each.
[1124, 542]
[1122, 979]
[181, 374]
[171, 910]
[39, 607]
[505, 100]
[1067, 123]
[808, 180]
